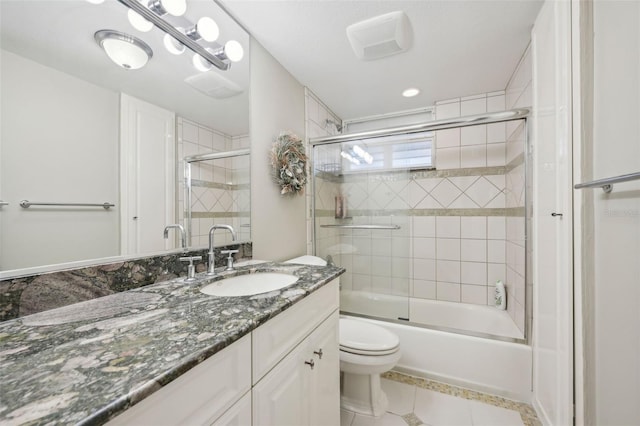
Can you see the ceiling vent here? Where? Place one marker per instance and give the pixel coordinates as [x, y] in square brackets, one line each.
[214, 85]
[380, 36]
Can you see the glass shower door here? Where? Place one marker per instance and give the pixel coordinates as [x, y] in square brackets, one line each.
[362, 224]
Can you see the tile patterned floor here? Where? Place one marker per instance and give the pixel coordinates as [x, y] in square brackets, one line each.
[415, 401]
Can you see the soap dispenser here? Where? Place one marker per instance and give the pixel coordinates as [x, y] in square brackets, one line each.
[500, 296]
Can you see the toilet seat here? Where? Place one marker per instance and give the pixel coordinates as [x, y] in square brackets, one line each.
[363, 338]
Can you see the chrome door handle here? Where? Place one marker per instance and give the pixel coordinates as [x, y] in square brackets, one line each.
[310, 363]
[319, 353]
[556, 214]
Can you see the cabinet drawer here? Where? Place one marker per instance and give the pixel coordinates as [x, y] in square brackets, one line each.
[238, 415]
[274, 339]
[199, 396]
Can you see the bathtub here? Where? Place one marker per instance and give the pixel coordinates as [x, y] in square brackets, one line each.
[488, 365]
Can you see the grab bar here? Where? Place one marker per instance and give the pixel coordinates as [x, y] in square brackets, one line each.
[25, 204]
[362, 226]
[607, 183]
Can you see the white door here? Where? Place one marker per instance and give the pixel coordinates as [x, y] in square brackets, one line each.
[148, 176]
[281, 398]
[552, 215]
[324, 398]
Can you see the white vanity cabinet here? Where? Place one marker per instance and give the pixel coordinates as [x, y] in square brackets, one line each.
[296, 364]
[286, 372]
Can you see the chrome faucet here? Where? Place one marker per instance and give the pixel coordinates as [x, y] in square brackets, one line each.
[211, 254]
[183, 234]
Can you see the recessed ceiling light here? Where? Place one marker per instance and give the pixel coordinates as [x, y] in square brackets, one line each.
[410, 92]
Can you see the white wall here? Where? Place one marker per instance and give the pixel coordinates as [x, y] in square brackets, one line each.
[278, 223]
[59, 144]
[616, 151]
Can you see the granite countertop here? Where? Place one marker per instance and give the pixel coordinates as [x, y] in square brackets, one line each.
[85, 363]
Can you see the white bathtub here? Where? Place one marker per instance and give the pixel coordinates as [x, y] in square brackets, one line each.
[487, 365]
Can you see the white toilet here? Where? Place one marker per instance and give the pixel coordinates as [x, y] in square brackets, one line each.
[366, 351]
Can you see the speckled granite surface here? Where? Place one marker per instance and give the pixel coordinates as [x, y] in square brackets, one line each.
[40, 292]
[98, 359]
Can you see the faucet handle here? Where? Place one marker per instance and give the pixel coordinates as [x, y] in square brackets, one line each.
[229, 258]
[191, 269]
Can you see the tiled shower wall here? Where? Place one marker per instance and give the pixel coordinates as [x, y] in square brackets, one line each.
[220, 188]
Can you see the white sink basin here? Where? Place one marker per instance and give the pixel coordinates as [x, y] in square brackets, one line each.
[249, 284]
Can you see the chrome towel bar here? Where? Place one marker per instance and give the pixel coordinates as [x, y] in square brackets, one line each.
[3, 203]
[607, 183]
[25, 204]
[362, 226]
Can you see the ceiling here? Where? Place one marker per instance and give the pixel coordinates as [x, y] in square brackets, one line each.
[460, 47]
[59, 34]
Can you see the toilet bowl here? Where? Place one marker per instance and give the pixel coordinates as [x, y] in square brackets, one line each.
[366, 351]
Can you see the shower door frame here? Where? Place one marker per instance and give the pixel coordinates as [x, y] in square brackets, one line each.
[450, 123]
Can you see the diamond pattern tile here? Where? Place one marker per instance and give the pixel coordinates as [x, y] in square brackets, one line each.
[482, 191]
[463, 182]
[445, 193]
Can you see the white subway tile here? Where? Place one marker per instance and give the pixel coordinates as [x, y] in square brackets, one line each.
[361, 264]
[496, 251]
[400, 267]
[424, 248]
[381, 247]
[424, 289]
[473, 135]
[448, 270]
[473, 250]
[474, 294]
[189, 132]
[448, 291]
[495, 272]
[473, 227]
[424, 269]
[496, 103]
[424, 226]
[496, 154]
[477, 105]
[447, 158]
[496, 132]
[473, 156]
[496, 227]
[448, 138]
[448, 110]
[361, 282]
[473, 273]
[401, 247]
[448, 226]
[448, 249]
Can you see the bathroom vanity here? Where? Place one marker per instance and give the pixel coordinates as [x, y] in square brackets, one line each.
[182, 358]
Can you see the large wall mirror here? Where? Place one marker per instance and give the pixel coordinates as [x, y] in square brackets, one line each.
[78, 128]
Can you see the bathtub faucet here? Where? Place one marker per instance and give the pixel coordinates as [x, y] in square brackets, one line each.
[212, 258]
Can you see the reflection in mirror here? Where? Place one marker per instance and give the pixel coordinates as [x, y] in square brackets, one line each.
[78, 128]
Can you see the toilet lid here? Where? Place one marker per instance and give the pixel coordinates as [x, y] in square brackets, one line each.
[362, 337]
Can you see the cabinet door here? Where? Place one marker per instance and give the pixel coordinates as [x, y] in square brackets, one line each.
[281, 397]
[324, 396]
[238, 415]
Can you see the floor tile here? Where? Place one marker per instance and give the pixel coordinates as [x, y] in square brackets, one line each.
[387, 420]
[437, 409]
[346, 418]
[400, 395]
[489, 415]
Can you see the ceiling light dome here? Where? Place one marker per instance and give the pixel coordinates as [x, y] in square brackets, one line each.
[410, 92]
[173, 45]
[123, 49]
[208, 29]
[138, 22]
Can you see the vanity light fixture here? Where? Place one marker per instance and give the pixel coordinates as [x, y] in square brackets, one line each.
[410, 92]
[125, 50]
[205, 29]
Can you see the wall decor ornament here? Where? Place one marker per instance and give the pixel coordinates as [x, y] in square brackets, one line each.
[289, 163]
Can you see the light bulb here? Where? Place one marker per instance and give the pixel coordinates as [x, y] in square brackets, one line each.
[207, 29]
[233, 51]
[138, 22]
[174, 7]
[173, 45]
[200, 63]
